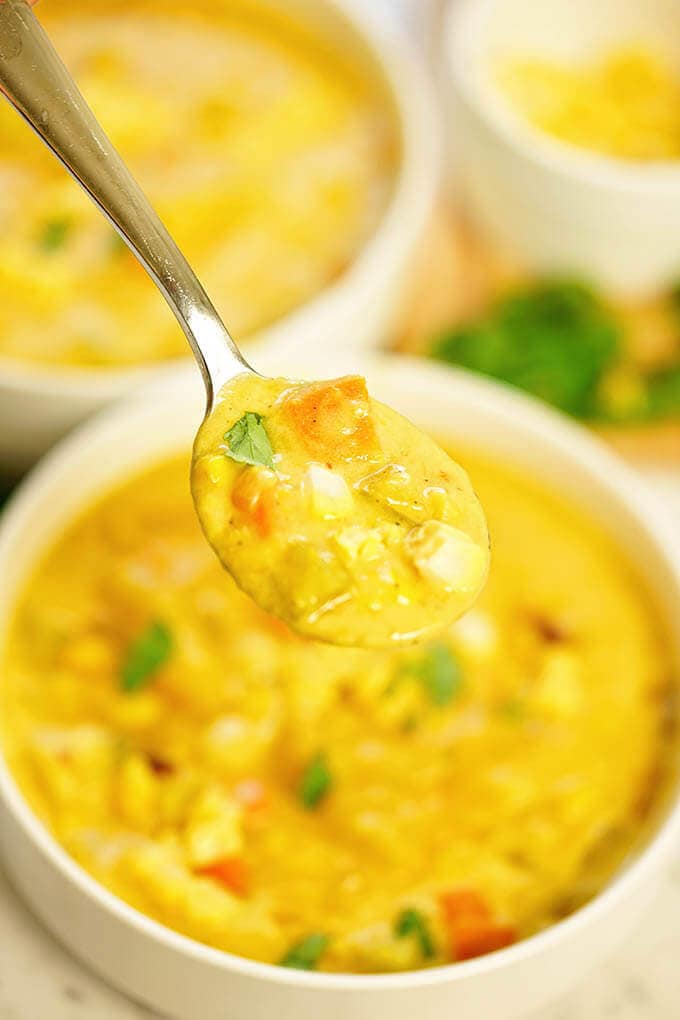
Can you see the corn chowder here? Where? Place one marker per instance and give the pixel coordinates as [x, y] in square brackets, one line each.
[271, 162]
[328, 808]
[625, 104]
[335, 513]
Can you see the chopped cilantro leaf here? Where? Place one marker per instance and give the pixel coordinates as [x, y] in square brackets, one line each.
[145, 656]
[316, 781]
[412, 922]
[54, 234]
[305, 955]
[248, 442]
[438, 670]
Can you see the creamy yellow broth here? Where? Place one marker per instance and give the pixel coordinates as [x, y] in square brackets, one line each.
[335, 513]
[269, 157]
[322, 807]
[626, 103]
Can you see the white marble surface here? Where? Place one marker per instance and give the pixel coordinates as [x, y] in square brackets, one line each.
[40, 981]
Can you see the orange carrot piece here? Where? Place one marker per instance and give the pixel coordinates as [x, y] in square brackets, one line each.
[253, 496]
[230, 872]
[333, 419]
[472, 928]
[277, 628]
[471, 941]
[464, 906]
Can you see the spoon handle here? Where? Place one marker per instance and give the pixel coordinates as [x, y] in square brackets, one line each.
[38, 85]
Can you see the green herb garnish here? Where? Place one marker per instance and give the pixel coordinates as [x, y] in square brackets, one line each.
[305, 955]
[412, 922]
[554, 339]
[248, 441]
[145, 656]
[316, 781]
[54, 234]
[438, 670]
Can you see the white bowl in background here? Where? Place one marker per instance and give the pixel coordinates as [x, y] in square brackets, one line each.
[559, 208]
[38, 404]
[185, 979]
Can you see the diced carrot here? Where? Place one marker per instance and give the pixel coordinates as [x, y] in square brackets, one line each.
[277, 628]
[333, 419]
[251, 794]
[230, 872]
[472, 928]
[473, 941]
[253, 496]
[463, 906]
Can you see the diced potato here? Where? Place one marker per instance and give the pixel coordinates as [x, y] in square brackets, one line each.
[357, 542]
[75, 766]
[137, 793]
[320, 578]
[162, 882]
[446, 556]
[214, 828]
[234, 744]
[560, 691]
[477, 634]
[216, 469]
[329, 493]
[391, 485]
[378, 948]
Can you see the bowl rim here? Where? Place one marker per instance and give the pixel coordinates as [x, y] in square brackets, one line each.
[569, 440]
[463, 25]
[411, 198]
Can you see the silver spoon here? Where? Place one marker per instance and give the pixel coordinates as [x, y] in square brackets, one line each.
[37, 84]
